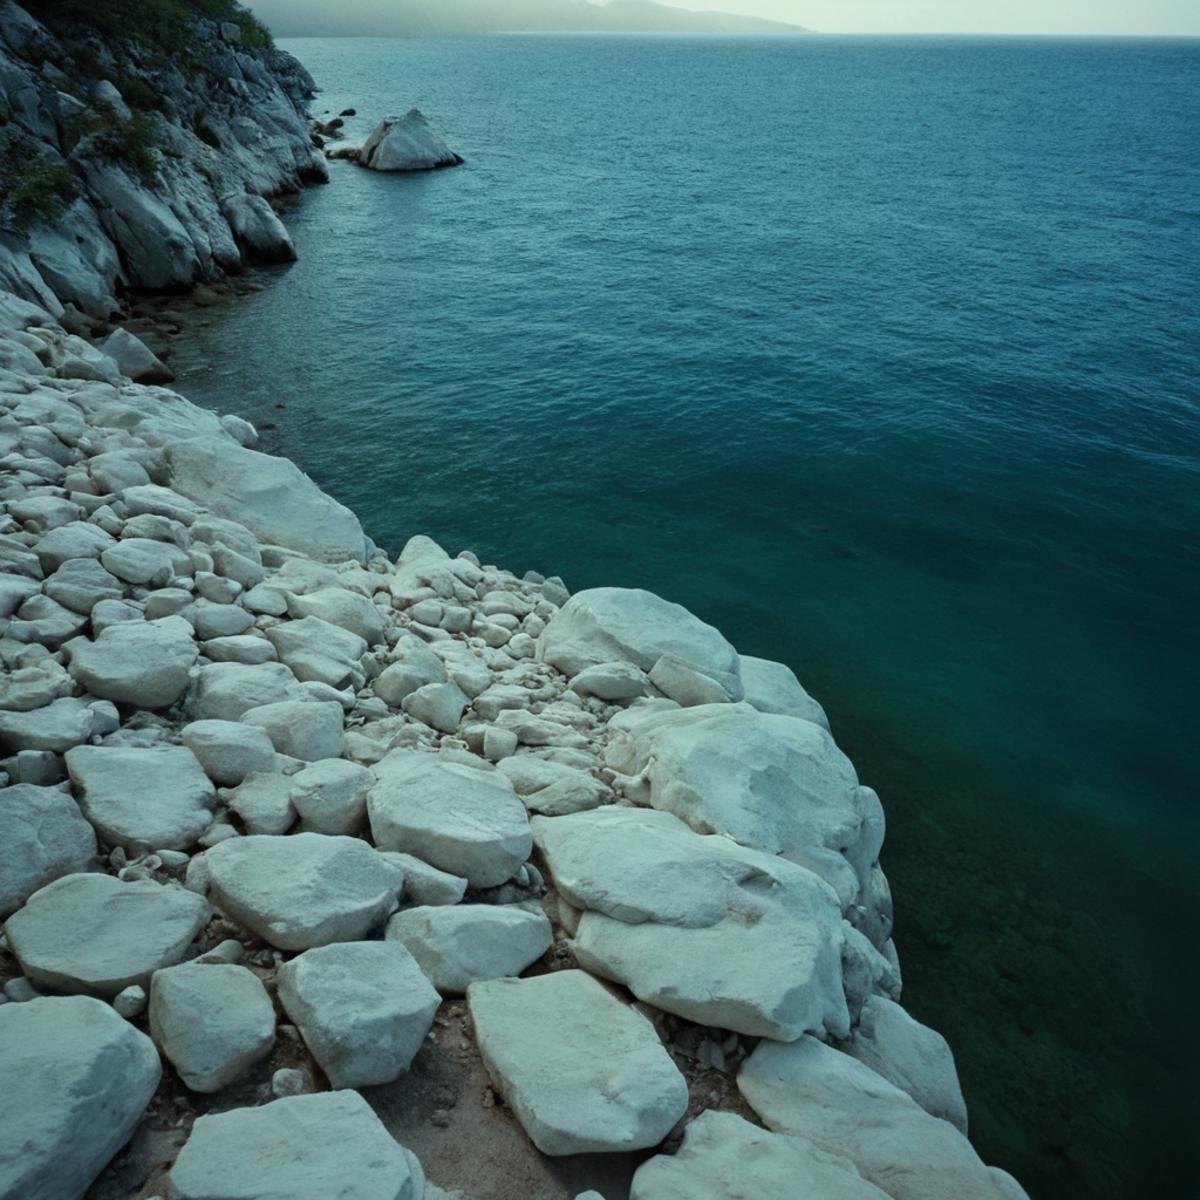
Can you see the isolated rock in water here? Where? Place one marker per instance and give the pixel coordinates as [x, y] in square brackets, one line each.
[144, 663]
[406, 144]
[259, 232]
[772, 687]
[583, 1072]
[304, 890]
[363, 1009]
[159, 797]
[302, 1148]
[43, 836]
[271, 496]
[723, 1155]
[96, 934]
[606, 625]
[917, 1059]
[77, 1079]
[469, 943]
[212, 1021]
[135, 358]
[845, 1108]
[776, 784]
[700, 926]
[462, 820]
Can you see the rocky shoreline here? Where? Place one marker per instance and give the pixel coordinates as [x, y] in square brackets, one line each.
[323, 872]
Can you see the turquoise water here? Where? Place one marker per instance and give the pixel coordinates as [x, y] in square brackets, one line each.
[882, 355]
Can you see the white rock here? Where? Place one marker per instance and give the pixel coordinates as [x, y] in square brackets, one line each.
[135, 358]
[685, 684]
[469, 943]
[406, 144]
[213, 1022]
[56, 727]
[158, 797]
[229, 751]
[141, 663]
[78, 540]
[438, 705]
[95, 934]
[307, 730]
[844, 1107]
[304, 890]
[225, 691]
[300, 1148]
[81, 583]
[342, 607]
[459, 819]
[257, 229]
[613, 682]
[363, 1009]
[607, 625]
[426, 885]
[582, 1072]
[270, 496]
[772, 687]
[917, 1059]
[264, 802]
[415, 666]
[150, 563]
[724, 1156]
[78, 1078]
[42, 836]
[331, 796]
[700, 926]
[317, 650]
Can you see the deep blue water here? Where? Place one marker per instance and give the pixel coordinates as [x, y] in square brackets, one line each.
[882, 355]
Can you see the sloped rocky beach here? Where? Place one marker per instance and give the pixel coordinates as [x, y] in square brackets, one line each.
[330, 873]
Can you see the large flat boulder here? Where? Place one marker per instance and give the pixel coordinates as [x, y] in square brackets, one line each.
[406, 143]
[158, 797]
[583, 1072]
[459, 819]
[320, 1147]
[304, 890]
[461, 944]
[98, 935]
[77, 1079]
[363, 1009]
[43, 836]
[774, 783]
[144, 663]
[724, 1156]
[212, 1021]
[604, 625]
[271, 496]
[699, 926]
[772, 687]
[843, 1107]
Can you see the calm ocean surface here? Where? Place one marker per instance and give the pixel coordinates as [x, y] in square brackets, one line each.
[883, 356]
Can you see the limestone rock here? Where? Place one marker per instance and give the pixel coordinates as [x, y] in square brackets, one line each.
[406, 144]
[304, 890]
[42, 836]
[308, 730]
[229, 751]
[135, 358]
[331, 796]
[56, 727]
[211, 1021]
[845, 1108]
[259, 232]
[607, 625]
[699, 926]
[582, 1072]
[300, 1148]
[917, 1059]
[363, 1009]
[77, 1079]
[469, 943]
[342, 607]
[158, 797]
[723, 1156]
[142, 663]
[772, 687]
[462, 820]
[271, 496]
[425, 885]
[95, 934]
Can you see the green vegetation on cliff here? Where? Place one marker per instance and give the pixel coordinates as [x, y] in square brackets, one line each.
[162, 24]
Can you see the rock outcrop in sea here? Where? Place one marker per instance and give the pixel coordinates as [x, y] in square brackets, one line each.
[585, 897]
[405, 143]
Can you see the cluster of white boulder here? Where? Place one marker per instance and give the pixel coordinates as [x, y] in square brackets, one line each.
[258, 775]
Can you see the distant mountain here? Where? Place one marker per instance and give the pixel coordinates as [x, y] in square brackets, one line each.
[413, 18]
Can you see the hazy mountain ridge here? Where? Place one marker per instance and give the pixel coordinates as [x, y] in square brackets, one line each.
[411, 18]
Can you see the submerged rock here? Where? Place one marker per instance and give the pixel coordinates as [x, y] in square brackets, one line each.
[406, 143]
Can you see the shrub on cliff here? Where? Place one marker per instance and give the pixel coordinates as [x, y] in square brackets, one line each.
[132, 144]
[162, 24]
[39, 192]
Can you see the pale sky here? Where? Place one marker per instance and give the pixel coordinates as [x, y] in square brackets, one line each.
[1172, 17]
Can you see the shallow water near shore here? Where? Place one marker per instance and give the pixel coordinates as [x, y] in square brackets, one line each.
[881, 355]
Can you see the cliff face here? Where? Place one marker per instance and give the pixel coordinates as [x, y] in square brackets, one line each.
[127, 167]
